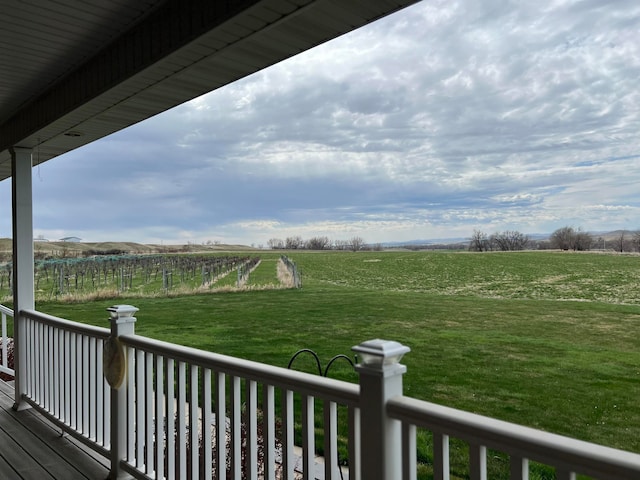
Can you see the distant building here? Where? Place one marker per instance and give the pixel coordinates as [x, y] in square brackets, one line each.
[40, 238]
[70, 239]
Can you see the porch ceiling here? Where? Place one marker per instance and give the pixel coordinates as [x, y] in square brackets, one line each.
[75, 71]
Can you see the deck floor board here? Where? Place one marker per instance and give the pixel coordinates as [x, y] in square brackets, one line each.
[33, 448]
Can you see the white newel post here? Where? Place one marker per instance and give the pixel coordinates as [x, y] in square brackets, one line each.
[115, 370]
[23, 277]
[380, 380]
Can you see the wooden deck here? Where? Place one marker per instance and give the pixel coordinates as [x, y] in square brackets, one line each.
[32, 448]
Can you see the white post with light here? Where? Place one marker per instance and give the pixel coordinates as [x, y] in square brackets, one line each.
[380, 380]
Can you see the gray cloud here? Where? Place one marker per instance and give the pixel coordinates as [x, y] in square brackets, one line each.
[443, 118]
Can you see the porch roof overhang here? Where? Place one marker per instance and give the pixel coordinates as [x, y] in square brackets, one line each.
[76, 71]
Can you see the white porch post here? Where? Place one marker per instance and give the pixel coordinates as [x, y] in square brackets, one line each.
[380, 380]
[116, 367]
[23, 281]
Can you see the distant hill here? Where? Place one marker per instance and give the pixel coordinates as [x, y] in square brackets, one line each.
[608, 237]
[452, 241]
[44, 249]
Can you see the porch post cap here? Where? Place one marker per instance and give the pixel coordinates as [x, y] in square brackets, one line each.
[122, 311]
[380, 352]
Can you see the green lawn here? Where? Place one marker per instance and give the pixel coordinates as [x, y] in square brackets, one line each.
[549, 340]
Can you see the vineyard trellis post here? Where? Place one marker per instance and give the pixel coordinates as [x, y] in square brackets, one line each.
[293, 270]
[61, 279]
[167, 279]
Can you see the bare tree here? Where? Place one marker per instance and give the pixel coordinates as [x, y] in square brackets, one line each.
[275, 244]
[568, 238]
[622, 243]
[509, 240]
[563, 238]
[582, 240]
[356, 243]
[341, 244]
[294, 243]
[318, 243]
[479, 242]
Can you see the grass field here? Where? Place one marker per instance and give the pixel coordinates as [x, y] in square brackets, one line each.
[545, 339]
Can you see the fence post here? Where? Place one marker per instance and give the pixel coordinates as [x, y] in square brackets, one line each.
[115, 371]
[380, 380]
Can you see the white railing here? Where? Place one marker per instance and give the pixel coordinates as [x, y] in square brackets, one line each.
[176, 404]
[65, 378]
[566, 455]
[4, 358]
[179, 395]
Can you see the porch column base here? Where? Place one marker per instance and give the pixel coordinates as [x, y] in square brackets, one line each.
[18, 407]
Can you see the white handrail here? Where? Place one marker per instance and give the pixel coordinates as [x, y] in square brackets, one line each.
[68, 325]
[566, 454]
[314, 385]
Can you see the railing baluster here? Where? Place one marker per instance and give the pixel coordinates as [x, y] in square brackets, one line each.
[131, 406]
[106, 403]
[93, 375]
[57, 352]
[100, 415]
[85, 386]
[354, 443]
[519, 468]
[268, 431]
[171, 420]
[39, 363]
[80, 404]
[308, 436]
[28, 354]
[149, 424]
[288, 437]
[441, 470]
[50, 377]
[33, 370]
[206, 423]
[477, 462]
[330, 411]
[193, 420]
[221, 426]
[66, 370]
[159, 427]
[182, 427]
[42, 398]
[409, 452]
[140, 410]
[236, 427]
[251, 425]
[42, 332]
[73, 378]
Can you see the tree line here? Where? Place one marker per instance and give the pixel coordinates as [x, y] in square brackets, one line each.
[320, 243]
[499, 241]
[564, 238]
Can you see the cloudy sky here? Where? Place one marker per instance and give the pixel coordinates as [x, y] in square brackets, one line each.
[446, 117]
